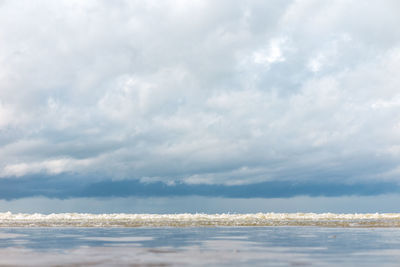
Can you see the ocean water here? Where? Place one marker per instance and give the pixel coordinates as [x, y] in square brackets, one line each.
[200, 239]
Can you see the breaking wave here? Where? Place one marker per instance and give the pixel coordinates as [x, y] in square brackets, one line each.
[9, 219]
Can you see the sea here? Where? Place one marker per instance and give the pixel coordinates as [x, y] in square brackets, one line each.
[259, 239]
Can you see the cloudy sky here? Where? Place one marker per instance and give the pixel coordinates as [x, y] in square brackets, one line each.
[236, 99]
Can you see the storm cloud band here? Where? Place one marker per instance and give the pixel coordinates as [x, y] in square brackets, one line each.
[62, 188]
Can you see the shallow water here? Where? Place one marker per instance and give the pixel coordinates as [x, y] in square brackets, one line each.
[215, 246]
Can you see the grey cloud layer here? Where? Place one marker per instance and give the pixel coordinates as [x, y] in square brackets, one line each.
[201, 91]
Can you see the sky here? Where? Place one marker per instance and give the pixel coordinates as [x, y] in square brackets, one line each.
[242, 101]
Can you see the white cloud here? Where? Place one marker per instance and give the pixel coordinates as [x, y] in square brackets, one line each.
[54, 166]
[6, 116]
[272, 54]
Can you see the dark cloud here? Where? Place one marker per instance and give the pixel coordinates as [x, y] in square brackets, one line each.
[64, 187]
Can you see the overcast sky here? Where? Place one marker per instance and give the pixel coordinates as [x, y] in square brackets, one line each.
[200, 93]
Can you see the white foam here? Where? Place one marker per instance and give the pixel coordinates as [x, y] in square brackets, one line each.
[9, 219]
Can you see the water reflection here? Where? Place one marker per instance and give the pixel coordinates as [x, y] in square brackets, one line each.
[274, 246]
